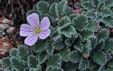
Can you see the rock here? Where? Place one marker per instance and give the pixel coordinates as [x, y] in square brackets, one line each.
[10, 30]
[3, 26]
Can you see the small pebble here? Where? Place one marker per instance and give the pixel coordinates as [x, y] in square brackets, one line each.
[10, 30]
[3, 26]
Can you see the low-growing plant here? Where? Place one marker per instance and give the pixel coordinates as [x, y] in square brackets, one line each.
[76, 41]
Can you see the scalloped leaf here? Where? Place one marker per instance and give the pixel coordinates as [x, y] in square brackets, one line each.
[109, 69]
[70, 41]
[100, 57]
[62, 7]
[79, 46]
[86, 33]
[54, 10]
[13, 52]
[93, 40]
[15, 69]
[69, 31]
[84, 63]
[65, 22]
[54, 60]
[56, 34]
[52, 1]
[73, 16]
[64, 53]
[23, 52]
[6, 63]
[92, 65]
[42, 57]
[108, 22]
[87, 49]
[90, 15]
[87, 5]
[103, 34]
[51, 68]
[68, 11]
[19, 64]
[74, 56]
[110, 63]
[39, 46]
[106, 12]
[109, 3]
[32, 61]
[43, 7]
[108, 45]
[92, 26]
[59, 44]
[69, 66]
[80, 22]
[1, 69]
[38, 68]
[50, 49]
[99, 45]
[95, 2]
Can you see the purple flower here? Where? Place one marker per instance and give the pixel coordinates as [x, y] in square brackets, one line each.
[35, 30]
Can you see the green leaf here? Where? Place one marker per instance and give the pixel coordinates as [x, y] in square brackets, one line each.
[54, 10]
[106, 12]
[56, 34]
[108, 45]
[65, 22]
[23, 52]
[79, 46]
[64, 53]
[86, 33]
[99, 45]
[52, 1]
[100, 58]
[19, 64]
[93, 40]
[15, 69]
[80, 22]
[62, 7]
[72, 16]
[32, 61]
[51, 68]
[87, 48]
[90, 15]
[93, 26]
[69, 66]
[84, 63]
[39, 46]
[69, 31]
[59, 44]
[87, 5]
[95, 2]
[109, 3]
[70, 41]
[6, 63]
[109, 69]
[68, 11]
[50, 49]
[108, 22]
[13, 52]
[74, 56]
[42, 57]
[38, 68]
[2, 69]
[92, 65]
[43, 7]
[110, 63]
[54, 60]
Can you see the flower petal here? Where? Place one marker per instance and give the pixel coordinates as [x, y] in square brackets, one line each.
[45, 23]
[44, 34]
[30, 40]
[33, 20]
[26, 30]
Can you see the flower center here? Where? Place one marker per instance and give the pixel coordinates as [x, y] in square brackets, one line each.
[38, 31]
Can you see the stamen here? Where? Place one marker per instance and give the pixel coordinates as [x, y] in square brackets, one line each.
[41, 29]
[39, 25]
[38, 34]
[33, 33]
[33, 26]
